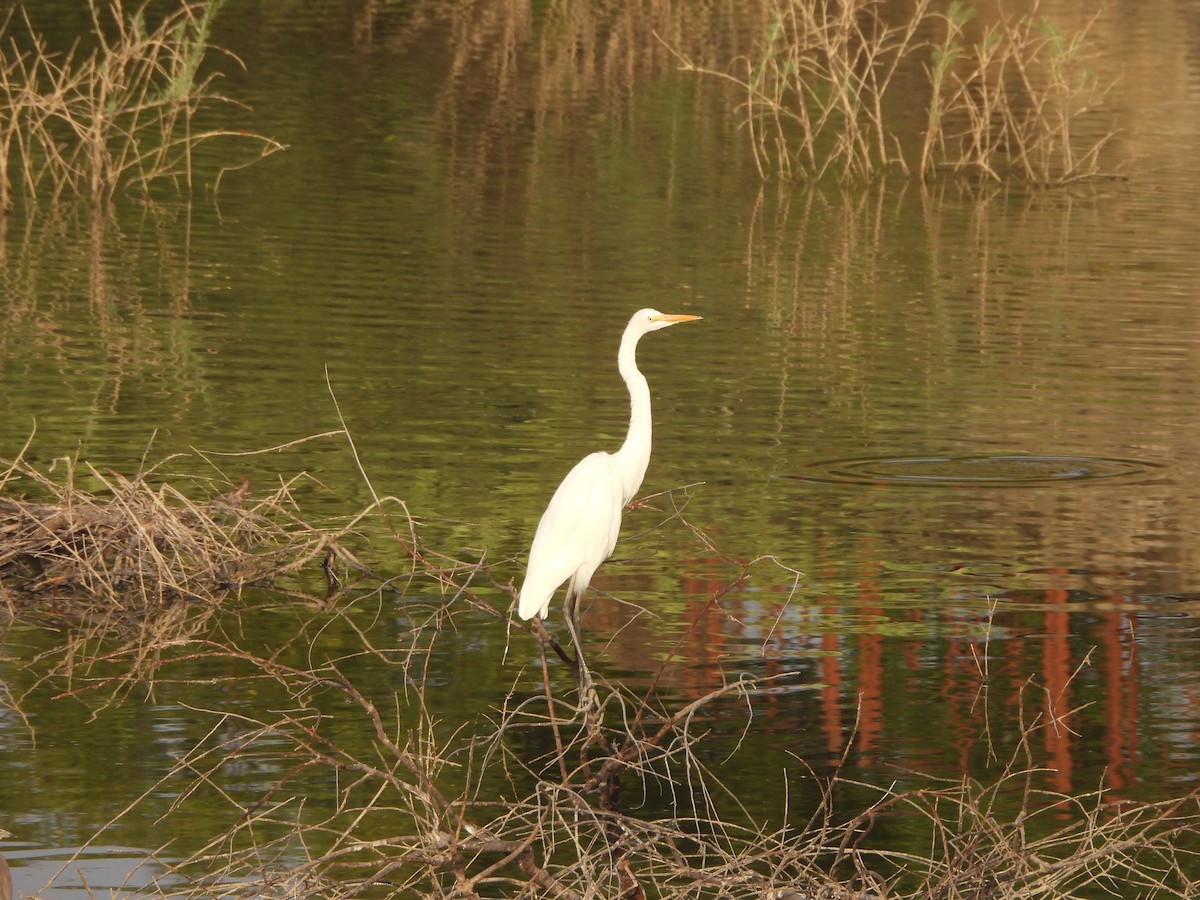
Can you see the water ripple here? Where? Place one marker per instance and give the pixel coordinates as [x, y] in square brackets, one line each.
[972, 471]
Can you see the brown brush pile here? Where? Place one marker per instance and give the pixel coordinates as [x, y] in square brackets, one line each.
[132, 544]
[527, 802]
[541, 797]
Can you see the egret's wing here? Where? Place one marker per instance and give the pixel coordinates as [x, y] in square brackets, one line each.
[577, 532]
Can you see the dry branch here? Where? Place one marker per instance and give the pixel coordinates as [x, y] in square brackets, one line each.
[527, 799]
[467, 809]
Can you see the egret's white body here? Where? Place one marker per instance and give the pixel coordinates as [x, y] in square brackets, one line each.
[579, 529]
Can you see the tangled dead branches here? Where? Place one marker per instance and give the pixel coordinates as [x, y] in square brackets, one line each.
[374, 795]
[131, 544]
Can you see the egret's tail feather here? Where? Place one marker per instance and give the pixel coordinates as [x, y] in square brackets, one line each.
[533, 603]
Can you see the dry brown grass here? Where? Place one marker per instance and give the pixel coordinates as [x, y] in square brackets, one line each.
[87, 123]
[823, 94]
[139, 543]
[1012, 99]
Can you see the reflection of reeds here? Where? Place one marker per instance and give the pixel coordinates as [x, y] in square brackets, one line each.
[119, 116]
[522, 74]
[95, 352]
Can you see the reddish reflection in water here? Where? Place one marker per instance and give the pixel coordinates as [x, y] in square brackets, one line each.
[934, 689]
[1056, 670]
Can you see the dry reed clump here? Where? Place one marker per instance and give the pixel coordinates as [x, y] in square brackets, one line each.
[830, 90]
[127, 543]
[87, 123]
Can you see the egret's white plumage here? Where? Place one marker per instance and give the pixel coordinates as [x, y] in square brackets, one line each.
[579, 529]
[577, 532]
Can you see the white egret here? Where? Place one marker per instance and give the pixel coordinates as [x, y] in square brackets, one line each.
[578, 530]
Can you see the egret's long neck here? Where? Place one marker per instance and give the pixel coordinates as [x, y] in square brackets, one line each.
[634, 455]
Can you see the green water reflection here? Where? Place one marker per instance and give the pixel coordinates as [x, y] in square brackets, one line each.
[453, 254]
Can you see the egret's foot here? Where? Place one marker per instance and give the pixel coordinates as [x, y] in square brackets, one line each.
[589, 705]
[589, 697]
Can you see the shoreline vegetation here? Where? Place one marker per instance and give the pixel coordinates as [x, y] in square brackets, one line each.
[530, 797]
[828, 91]
[118, 116]
[829, 86]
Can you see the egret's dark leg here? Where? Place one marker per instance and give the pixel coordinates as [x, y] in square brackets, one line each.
[547, 638]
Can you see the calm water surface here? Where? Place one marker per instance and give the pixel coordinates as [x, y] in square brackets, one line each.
[959, 422]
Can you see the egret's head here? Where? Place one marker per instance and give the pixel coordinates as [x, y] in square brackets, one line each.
[646, 320]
